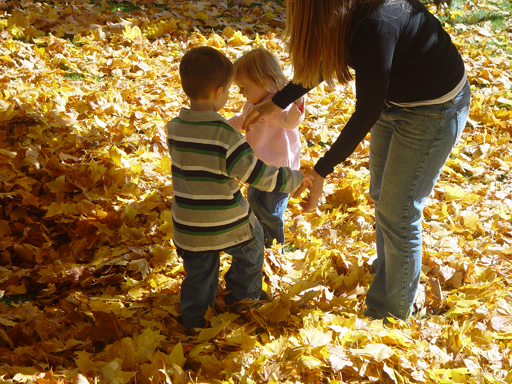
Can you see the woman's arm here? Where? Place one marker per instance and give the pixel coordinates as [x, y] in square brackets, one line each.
[280, 101]
[259, 112]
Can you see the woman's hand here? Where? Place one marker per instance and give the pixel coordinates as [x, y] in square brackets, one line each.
[315, 184]
[259, 112]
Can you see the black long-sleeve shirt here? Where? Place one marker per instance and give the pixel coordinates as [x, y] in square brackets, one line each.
[400, 53]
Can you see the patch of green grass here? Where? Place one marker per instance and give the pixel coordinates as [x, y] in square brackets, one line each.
[232, 3]
[494, 14]
[312, 143]
[470, 13]
[123, 7]
[498, 13]
[79, 76]
[115, 6]
[15, 300]
[21, 39]
[289, 248]
[74, 76]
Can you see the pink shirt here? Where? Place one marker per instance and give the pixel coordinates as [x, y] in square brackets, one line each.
[275, 140]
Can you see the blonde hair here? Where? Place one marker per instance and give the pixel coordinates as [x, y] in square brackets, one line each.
[317, 36]
[262, 67]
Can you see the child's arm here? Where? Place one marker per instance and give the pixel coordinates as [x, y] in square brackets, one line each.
[292, 116]
[237, 121]
[314, 182]
[243, 164]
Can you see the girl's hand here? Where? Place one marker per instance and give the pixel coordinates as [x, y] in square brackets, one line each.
[315, 184]
[259, 112]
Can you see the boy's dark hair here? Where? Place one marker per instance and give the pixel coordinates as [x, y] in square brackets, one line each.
[202, 70]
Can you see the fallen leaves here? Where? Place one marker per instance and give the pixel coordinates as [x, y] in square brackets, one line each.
[85, 222]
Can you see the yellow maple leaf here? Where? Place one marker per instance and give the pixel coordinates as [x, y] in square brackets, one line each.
[454, 193]
[56, 208]
[6, 59]
[5, 229]
[118, 155]
[84, 362]
[177, 356]
[16, 31]
[202, 16]
[131, 33]
[228, 32]
[238, 39]
[315, 337]
[56, 185]
[113, 372]
[379, 352]
[216, 41]
[130, 212]
[164, 164]
[7, 112]
[146, 343]
[10, 154]
[209, 333]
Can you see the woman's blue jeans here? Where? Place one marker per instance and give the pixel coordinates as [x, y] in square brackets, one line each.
[408, 149]
[243, 278]
[269, 208]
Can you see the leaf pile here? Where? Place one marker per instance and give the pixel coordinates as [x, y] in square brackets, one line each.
[89, 278]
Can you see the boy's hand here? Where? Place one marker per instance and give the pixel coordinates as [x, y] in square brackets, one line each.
[315, 183]
[306, 182]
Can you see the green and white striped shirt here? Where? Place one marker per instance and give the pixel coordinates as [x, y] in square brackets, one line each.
[208, 156]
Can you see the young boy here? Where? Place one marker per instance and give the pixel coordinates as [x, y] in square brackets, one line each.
[209, 212]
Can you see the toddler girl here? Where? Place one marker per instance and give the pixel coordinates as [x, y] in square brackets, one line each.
[275, 140]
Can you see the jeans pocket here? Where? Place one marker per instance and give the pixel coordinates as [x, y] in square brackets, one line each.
[462, 118]
[252, 250]
[430, 111]
[463, 113]
[180, 252]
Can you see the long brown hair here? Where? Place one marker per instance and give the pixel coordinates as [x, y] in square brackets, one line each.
[317, 36]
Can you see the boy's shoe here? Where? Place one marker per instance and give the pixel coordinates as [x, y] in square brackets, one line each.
[192, 333]
[374, 266]
[247, 304]
[192, 324]
[264, 296]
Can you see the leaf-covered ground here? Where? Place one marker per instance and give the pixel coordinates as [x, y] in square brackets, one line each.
[89, 278]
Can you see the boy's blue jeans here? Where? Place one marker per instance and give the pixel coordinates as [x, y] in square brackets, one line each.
[269, 208]
[408, 149]
[243, 279]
